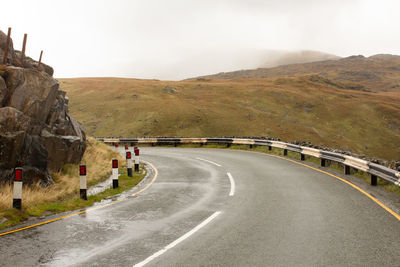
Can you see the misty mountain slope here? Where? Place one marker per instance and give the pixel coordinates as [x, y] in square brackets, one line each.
[291, 108]
[275, 58]
[375, 73]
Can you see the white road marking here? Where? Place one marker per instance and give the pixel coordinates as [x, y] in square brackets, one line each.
[232, 184]
[209, 161]
[179, 240]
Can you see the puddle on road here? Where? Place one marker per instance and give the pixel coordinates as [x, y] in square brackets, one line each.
[100, 187]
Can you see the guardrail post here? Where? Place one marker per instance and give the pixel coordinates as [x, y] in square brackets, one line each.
[228, 145]
[175, 144]
[82, 181]
[17, 189]
[346, 169]
[114, 166]
[250, 146]
[269, 148]
[302, 156]
[128, 156]
[285, 152]
[136, 159]
[323, 163]
[374, 180]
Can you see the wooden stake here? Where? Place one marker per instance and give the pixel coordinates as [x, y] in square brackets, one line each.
[40, 59]
[23, 48]
[6, 48]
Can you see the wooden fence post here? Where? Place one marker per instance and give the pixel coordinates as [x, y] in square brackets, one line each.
[6, 48]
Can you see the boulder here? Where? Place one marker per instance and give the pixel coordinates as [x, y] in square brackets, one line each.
[30, 63]
[63, 149]
[31, 91]
[3, 90]
[36, 131]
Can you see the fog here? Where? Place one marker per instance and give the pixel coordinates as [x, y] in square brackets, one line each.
[179, 39]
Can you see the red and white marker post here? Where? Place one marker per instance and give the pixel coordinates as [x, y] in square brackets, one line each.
[17, 198]
[116, 145]
[115, 173]
[82, 181]
[126, 147]
[129, 163]
[136, 159]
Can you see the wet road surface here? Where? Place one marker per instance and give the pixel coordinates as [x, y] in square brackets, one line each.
[267, 212]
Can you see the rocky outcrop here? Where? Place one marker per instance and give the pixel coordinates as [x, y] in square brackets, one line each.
[36, 131]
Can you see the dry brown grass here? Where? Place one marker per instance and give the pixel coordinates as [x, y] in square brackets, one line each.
[290, 108]
[97, 158]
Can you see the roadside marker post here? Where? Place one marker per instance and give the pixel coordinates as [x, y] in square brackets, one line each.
[137, 159]
[126, 147]
[17, 190]
[285, 152]
[116, 145]
[115, 173]
[302, 156]
[128, 156]
[82, 181]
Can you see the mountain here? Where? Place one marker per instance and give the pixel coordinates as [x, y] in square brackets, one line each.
[350, 104]
[375, 73]
[274, 58]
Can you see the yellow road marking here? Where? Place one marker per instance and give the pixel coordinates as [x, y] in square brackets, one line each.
[152, 181]
[90, 209]
[397, 216]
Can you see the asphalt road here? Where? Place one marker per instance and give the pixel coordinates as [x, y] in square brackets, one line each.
[278, 214]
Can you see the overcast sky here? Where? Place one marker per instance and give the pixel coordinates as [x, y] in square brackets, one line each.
[177, 39]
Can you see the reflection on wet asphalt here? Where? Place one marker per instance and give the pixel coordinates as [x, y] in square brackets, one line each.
[282, 214]
[185, 192]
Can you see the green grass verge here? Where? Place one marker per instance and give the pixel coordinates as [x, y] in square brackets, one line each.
[15, 216]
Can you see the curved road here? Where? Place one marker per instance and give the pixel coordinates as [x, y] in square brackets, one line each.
[265, 212]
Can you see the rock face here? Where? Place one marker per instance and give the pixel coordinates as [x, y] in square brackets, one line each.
[36, 132]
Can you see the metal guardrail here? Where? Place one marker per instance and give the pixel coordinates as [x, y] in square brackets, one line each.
[375, 170]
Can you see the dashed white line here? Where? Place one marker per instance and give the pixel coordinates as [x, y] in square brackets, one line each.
[232, 192]
[179, 240]
[209, 161]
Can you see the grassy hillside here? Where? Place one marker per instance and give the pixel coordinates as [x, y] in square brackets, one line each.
[304, 107]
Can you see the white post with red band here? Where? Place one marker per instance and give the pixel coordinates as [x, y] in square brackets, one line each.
[136, 159]
[115, 173]
[129, 163]
[17, 190]
[82, 181]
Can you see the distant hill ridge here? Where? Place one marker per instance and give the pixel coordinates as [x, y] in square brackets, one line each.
[375, 73]
[280, 58]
